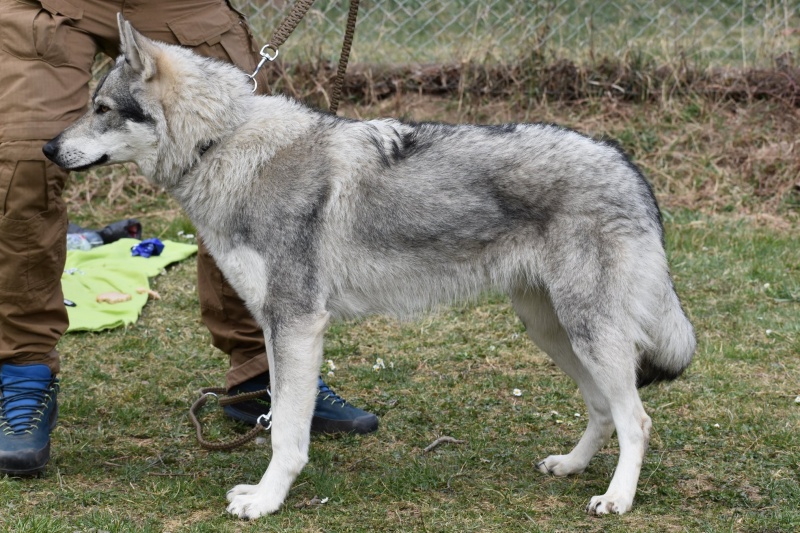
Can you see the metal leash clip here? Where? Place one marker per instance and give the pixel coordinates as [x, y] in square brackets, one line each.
[265, 421]
[265, 56]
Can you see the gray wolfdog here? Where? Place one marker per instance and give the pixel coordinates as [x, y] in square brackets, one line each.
[310, 216]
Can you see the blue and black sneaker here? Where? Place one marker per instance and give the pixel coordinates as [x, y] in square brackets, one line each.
[28, 412]
[332, 413]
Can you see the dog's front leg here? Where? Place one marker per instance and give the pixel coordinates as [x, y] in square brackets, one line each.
[295, 355]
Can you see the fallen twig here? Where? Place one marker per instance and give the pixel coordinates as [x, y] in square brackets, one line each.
[313, 501]
[442, 440]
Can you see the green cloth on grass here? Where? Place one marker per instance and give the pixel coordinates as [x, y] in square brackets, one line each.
[111, 268]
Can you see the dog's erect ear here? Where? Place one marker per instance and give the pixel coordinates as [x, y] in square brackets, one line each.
[139, 51]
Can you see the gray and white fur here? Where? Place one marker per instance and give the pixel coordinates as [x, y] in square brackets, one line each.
[312, 216]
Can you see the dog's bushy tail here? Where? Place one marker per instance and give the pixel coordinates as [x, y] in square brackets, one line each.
[672, 343]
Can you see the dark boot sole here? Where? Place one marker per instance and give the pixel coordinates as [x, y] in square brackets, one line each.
[360, 426]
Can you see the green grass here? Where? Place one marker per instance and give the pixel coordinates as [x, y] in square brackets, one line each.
[725, 448]
[704, 33]
[724, 454]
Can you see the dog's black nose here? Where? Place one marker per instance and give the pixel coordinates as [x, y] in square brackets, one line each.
[50, 149]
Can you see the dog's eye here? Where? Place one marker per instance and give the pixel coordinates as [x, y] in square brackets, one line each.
[102, 109]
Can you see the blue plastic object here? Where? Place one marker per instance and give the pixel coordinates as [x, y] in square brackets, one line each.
[147, 248]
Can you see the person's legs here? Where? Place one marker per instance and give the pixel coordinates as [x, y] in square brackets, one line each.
[233, 330]
[211, 28]
[45, 63]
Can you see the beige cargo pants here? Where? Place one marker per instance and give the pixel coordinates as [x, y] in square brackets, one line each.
[46, 53]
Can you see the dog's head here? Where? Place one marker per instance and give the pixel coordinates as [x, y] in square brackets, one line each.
[121, 122]
[158, 106]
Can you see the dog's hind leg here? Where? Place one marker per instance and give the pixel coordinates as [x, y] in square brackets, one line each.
[295, 356]
[536, 312]
[633, 431]
[605, 369]
[609, 354]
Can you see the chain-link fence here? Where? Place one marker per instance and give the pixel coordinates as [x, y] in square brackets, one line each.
[705, 33]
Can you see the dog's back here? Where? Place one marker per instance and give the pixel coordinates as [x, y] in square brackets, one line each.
[441, 212]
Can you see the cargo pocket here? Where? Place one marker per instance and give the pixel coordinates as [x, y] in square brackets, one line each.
[38, 31]
[203, 27]
[33, 251]
[217, 31]
[32, 224]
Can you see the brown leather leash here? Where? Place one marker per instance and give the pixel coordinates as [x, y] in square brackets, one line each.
[269, 52]
[347, 43]
[264, 422]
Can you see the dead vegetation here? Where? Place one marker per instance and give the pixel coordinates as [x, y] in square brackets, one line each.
[717, 141]
[631, 79]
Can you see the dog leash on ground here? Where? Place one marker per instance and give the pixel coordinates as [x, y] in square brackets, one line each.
[264, 422]
[269, 52]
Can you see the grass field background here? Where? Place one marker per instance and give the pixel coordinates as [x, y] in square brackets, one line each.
[725, 448]
[704, 33]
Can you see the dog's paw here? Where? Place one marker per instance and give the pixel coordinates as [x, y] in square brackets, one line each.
[605, 504]
[240, 490]
[251, 506]
[559, 465]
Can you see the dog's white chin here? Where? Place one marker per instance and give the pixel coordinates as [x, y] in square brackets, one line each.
[77, 167]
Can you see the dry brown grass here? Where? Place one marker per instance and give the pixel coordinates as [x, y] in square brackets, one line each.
[717, 141]
[632, 78]
[710, 154]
